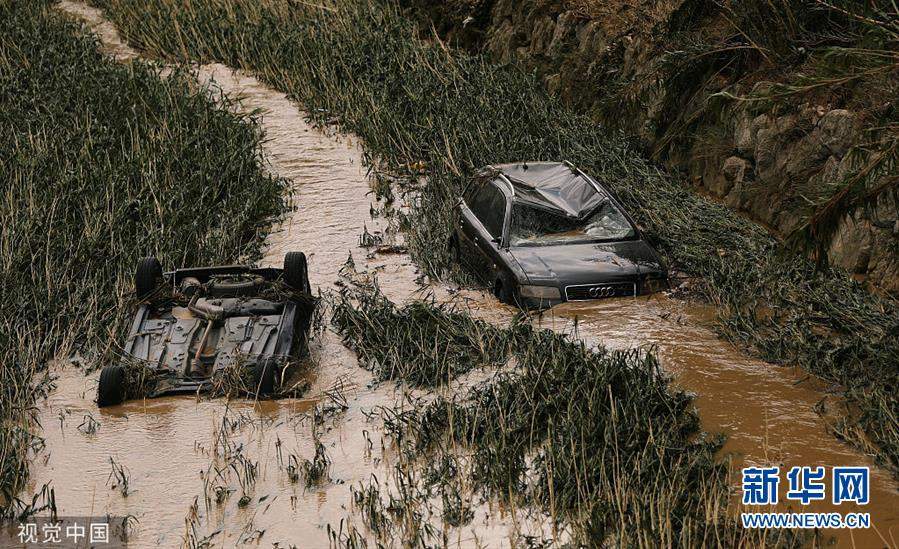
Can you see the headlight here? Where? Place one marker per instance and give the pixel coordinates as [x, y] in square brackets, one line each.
[540, 292]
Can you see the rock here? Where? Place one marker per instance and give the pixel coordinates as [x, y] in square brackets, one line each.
[830, 172]
[850, 247]
[786, 123]
[564, 30]
[732, 173]
[830, 138]
[763, 137]
[759, 123]
[590, 38]
[504, 9]
[541, 35]
[502, 42]
[734, 168]
[734, 198]
[803, 159]
[766, 144]
[744, 138]
[552, 82]
[836, 131]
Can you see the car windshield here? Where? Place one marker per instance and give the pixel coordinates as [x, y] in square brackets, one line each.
[534, 226]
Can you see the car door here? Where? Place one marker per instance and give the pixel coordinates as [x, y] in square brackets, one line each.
[483, 222]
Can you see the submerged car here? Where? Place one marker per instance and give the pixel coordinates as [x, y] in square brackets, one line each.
[544, 233]
[198, 327]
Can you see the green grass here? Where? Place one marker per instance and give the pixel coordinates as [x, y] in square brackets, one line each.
[423, 343]
[424, 109]
[102, 164]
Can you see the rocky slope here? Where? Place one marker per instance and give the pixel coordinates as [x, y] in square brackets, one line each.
[753, 107]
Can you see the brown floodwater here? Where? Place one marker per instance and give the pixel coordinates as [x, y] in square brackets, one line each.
[171, 446]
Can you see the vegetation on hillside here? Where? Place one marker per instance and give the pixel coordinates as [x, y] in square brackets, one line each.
[839, 52]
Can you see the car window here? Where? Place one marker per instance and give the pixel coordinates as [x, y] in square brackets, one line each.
[537, 226]
[489, 205]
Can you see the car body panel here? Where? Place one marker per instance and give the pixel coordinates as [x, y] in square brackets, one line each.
[486, 251]
[185, 351]
[583, 263]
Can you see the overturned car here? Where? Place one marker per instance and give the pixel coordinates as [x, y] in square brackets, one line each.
[200, 328]
[544, 233]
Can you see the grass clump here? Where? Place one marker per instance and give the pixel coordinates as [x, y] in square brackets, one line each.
[423, 343]
[423, 109]
[103, 163]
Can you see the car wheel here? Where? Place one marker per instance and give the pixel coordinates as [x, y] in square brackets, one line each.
[455, 251]
[296, 272]
[265, 377]
[505, 291]
[111, 390]
[238, 288]
[147, 276]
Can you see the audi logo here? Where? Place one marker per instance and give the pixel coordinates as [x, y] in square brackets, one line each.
[601, 291]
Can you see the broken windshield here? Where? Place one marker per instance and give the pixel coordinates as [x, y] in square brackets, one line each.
[535, 226]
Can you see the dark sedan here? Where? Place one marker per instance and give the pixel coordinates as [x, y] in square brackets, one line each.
[544, 233]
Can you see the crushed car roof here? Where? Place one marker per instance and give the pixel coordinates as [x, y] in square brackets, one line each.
[553, 185]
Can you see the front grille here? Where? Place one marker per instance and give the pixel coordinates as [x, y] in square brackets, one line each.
[598, 291]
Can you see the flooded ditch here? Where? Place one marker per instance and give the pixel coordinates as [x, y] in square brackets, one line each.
[170, 447]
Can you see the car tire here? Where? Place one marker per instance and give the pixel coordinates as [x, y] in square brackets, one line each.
[265, 377]
[505, 292]
[147, 276]
[296, 272]
[234, 289]
[111, 390]
[454, 249]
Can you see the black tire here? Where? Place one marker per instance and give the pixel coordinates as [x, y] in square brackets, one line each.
[147, 276]
[296, 272]
[455, 249]
[234, 289]
[265, 377]
[111, 390]
[505, 292]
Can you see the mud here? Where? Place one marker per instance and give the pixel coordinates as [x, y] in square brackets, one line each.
[171, 447]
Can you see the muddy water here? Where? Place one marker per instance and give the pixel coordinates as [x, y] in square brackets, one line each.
[169, 446]
[767, 412]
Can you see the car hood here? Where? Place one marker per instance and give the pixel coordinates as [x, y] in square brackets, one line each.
[589, 263]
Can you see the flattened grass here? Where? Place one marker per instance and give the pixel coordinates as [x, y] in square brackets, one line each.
[102, 164]
[422, 343]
